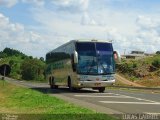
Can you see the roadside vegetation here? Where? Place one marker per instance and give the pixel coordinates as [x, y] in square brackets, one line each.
[23, 66]
[29, 104]
[144, 71]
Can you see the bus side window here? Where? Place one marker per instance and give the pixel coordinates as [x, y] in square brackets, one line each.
[72, 62]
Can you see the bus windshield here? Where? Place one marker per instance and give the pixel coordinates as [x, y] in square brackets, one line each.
[95, 58]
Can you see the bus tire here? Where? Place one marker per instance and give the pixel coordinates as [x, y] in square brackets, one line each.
[55, 86]
[72, 89]
[101, 89]
[52, 84]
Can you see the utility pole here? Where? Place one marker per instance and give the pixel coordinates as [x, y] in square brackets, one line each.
[124, 51]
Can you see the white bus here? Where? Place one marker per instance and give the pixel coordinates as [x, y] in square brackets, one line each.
[82, 64]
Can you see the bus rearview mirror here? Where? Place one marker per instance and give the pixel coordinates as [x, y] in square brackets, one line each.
[117, 57]
[75, 57]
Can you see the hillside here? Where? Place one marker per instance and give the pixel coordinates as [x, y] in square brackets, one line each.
[22, 66]
[144, 71]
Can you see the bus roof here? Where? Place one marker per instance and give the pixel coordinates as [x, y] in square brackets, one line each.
[81, 40]
[92, 40]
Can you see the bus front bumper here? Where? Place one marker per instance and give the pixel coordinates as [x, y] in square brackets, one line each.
[95, 84]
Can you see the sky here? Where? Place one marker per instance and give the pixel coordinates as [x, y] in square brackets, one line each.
[38, 26]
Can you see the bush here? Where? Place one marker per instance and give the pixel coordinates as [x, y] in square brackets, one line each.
[133, 78]
[158, 73]
[11, 62]
[15, 75]
[32, 69]
[126, 67]
[156, 63]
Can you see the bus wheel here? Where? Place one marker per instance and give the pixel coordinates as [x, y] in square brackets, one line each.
[52, 84]
[70, 85]
[101, 89]
[56, 86]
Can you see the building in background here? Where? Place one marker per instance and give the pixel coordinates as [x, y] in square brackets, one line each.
[136, 55]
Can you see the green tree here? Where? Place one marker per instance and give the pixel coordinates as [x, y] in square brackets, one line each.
[11, 62]
[41, 58]
[30, 57]
[11, 52]
[158, 52]
[3, 55]
[32, 69]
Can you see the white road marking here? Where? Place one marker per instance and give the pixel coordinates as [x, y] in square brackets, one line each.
[103, 93]
[141, 99]
[120, 96]
[151, 113]
[136, 98]
[125, 96]
[101, 96]
[154, 103]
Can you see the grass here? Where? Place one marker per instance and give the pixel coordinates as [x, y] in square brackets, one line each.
[28, 104]
[154, 82]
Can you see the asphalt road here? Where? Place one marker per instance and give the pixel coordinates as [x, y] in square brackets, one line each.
[115, 101]
[111, 101]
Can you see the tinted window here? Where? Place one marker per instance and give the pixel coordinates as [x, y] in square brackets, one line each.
[104, 47]
[57, 56]
[86, 46]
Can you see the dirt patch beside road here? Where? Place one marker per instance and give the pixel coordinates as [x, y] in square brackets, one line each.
[127, 82]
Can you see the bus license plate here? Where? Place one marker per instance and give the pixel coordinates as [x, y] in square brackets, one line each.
[97, 84]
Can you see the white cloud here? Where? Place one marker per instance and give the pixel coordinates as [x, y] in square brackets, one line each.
[15, 35]
[148, 27]
[8, 3]
[147, 22]
[35, 2]
[71, 5]
[62, 30]
[54, 23]
[87, 20]
[11, 3]
[76, 6]
[148, 33]
[64, 20]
